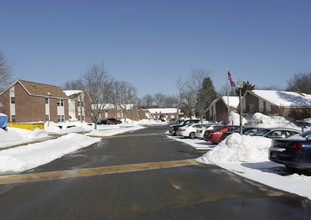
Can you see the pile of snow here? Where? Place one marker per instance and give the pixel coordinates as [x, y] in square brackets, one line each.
[261, 120]
[67, 127]
[237, 148]
[30, 156]
[9, 137]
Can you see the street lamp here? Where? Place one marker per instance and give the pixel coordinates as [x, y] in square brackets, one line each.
[240, 86]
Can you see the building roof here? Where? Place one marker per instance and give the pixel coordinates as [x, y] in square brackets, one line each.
[39, 89]
[163, 110]
[284, 98]
[233, 101]
[73, 94]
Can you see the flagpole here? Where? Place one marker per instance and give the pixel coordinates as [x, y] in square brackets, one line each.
[228, 92]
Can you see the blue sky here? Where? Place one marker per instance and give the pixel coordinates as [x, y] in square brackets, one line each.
[150, 44]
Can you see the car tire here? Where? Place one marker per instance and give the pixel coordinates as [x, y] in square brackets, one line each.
[192, 135]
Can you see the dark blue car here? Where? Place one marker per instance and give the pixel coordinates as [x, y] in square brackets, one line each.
[293, 152]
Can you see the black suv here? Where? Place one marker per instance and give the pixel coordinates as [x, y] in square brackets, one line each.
[174, 128]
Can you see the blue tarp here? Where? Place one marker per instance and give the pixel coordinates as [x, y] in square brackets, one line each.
[3, 121]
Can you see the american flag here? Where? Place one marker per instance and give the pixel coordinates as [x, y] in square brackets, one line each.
[230, 78]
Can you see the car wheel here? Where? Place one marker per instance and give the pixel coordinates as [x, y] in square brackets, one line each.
[192, 135]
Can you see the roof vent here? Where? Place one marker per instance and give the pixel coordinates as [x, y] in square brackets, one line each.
[49, 93]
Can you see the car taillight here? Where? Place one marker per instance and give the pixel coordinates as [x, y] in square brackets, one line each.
[295, 147]
[183, 129]
[201, 131]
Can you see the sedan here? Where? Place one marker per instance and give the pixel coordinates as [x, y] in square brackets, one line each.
[294, 152]
[189, 130]
[217, 131]
[277, 133]
[199, 133]
[245, 131]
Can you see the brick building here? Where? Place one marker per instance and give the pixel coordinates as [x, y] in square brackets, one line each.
[26, 101]
[217, 111]
[165, 113]
[130, 111]
[111, 111]
[79, 105]
[276, 102]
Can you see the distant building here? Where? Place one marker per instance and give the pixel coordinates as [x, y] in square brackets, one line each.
[130, 111]
[217, 111]
[166, 113]
[26, 101]
[79, 105]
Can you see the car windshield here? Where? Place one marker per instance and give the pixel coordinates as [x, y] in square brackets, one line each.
[216, 128]
[261, 132]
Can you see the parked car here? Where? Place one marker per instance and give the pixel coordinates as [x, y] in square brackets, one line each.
[200, 131]
[214, 134]
[189, 130]
[110, 121]
[277, 133]
[173, 128]
[245, 131]
[293, 152]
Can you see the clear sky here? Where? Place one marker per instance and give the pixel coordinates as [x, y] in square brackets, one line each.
[151, 43]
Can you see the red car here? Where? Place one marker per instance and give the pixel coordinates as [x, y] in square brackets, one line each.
[215, 134]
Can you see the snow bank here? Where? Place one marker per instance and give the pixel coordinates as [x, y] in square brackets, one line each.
[33, 155]
[241, 148]
[237, 148]
[9, 136]
[67, 127]
[265, 121]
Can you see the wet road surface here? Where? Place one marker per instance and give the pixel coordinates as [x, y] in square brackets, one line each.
[189, 191]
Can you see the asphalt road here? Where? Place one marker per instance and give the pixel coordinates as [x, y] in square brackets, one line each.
[183, 192]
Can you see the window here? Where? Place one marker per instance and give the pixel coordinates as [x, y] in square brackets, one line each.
[60, 118]
[78, 103]
[47, 118]
[60, 102]
[12, 100]
[13, 118]
[46, 100]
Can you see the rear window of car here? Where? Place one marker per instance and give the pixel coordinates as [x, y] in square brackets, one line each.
[216, 128]
[306, 135]
[261, 132]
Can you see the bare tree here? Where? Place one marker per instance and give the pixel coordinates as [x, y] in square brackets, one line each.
[300, 82]
[159, 99]
[187, 96]
[127, 96]
[99, 85]
[171, 101]
[5, 72]
[73, 85]
[147, 101]
[188, 89]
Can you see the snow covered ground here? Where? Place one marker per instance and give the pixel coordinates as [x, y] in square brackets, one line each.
[248, 157]
[243, 155]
